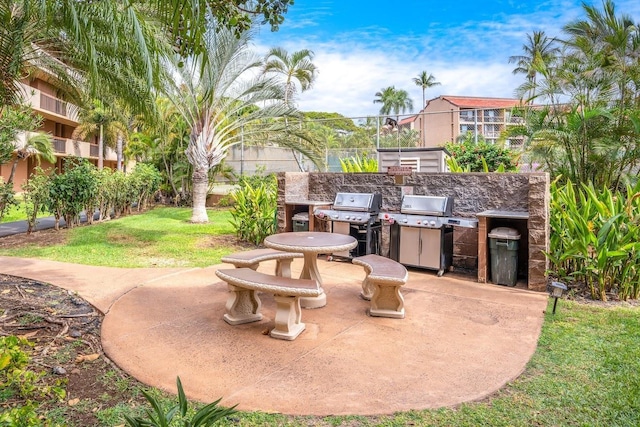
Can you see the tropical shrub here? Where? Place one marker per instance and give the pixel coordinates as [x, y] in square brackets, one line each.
[7, 197]
[595, 238]
[35, 193]
[359, 164]
[16, 380]
[254, 209]
[482, 157]
[145, 181]
[72, 191]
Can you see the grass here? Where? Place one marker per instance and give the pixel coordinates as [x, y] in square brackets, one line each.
[583, 373]
[18, 213]
[162, 237]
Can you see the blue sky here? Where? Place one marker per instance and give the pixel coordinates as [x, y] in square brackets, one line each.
[362, 46]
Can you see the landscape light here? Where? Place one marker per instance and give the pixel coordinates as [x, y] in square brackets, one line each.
[556, 289]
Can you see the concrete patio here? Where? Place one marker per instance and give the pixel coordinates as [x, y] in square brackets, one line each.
[460, 340]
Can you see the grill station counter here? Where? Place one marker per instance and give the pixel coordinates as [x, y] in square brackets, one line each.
[355, 214]
[421, 234]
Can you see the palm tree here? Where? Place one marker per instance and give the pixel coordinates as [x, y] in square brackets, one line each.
[425, 81]
[99, 120]
[218, 100]
[111, 46]
[538, 53]
[38, 145]
[295, 70]
[393, 100]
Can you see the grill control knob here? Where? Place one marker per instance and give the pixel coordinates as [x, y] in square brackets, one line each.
[335, 216]
[359, 218]
[433, 223]
[405, 220]
[418, 222]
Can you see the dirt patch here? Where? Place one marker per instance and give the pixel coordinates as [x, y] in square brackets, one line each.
[47, 237]
[225, 240]
[65, 330]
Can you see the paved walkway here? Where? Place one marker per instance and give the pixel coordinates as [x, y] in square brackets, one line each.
[19, 227]
[460, 340]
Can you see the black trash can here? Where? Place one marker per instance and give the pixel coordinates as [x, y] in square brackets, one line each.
[503, 248]
[301, 221]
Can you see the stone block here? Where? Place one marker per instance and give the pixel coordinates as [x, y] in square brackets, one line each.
[538, 238]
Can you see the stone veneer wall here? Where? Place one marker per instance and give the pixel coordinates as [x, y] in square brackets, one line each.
[472, 193]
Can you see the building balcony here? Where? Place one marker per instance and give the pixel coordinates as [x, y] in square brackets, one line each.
[63, 147]
[493, 119]
[491, 135]
[50, 107]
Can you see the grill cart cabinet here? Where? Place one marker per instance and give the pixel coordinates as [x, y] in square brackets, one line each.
[421, 235]
[430, 248]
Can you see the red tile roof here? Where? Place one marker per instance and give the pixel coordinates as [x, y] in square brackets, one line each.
[407, 120]
[477, 102]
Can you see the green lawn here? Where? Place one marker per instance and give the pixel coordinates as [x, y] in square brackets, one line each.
[162, 237]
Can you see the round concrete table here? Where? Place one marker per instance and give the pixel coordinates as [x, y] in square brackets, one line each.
[311, 243]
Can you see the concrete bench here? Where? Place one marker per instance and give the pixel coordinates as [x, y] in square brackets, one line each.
[243, 304]
[252, 259]
[382, 285]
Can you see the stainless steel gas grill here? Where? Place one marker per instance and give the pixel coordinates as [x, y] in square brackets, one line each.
[421, 235]
[355, 214]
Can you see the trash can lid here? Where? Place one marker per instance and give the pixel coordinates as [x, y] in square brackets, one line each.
[301, 216]
[504, 233]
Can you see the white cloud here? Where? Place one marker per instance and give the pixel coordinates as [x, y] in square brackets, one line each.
[348, 79]
[469, 59]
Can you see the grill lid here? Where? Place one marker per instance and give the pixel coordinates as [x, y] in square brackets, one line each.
[426, 205]
[359, 202]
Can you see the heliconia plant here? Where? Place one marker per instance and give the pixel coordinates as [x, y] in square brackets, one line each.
[595, 238]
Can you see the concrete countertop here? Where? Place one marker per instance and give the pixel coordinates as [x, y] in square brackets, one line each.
[504, 214]
[307, 202]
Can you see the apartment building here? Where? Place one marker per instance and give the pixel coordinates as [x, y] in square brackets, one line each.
[445, 118]
[60, 120]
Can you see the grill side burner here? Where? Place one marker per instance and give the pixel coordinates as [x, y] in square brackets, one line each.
[355, 214]
[421, 234]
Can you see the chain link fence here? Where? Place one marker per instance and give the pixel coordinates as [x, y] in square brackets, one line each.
[342, 138]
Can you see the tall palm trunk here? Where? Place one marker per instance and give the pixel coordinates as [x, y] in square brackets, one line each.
[119, 144]
[200, 188]
[101, 148]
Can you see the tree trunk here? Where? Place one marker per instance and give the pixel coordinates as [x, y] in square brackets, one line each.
[13, 171]
[200, 188]
[119, 152]
[101, 149]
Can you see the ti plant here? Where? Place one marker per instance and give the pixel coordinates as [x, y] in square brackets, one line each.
[179, 415]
